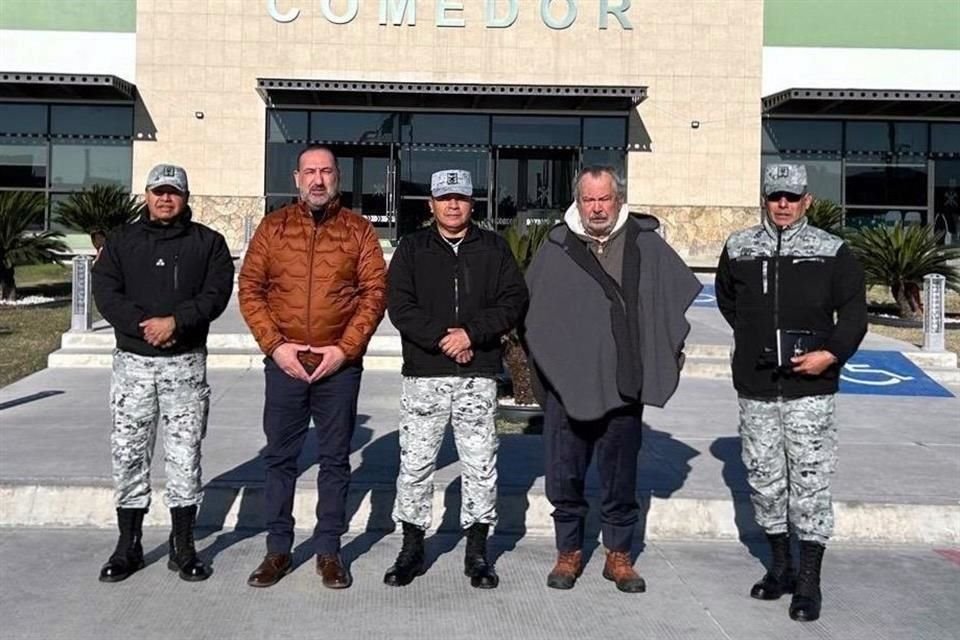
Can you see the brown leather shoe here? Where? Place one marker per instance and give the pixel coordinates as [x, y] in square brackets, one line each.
[568, 568]
[273, 567]
[619, 569]
[334, 573]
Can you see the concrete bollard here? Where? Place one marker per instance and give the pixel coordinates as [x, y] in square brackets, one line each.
[934, 312]
[81, 318]
[248, 229]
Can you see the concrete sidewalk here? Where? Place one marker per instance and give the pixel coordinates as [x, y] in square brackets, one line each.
[695, 591]
[898, 479]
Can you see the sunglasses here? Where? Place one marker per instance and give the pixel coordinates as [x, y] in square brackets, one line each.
[790, 197]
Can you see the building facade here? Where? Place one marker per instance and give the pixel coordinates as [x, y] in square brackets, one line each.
[688, 97]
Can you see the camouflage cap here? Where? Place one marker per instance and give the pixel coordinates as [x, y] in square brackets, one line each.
[168, 175]
[791, 178]
[451, 181]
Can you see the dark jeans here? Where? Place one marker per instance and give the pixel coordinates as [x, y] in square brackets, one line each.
[288, 406]
[570, 445]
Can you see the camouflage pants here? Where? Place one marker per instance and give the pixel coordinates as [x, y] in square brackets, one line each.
[426, 406]
[146, 394]
[790, 452]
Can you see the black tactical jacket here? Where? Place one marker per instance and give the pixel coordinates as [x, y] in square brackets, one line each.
[799, 278]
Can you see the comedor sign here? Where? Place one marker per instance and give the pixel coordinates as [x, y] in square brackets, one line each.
[497, 14]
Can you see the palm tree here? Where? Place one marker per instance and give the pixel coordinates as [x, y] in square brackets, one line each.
[18, 245]
[524, 240]
[98, 210]
[899, 257]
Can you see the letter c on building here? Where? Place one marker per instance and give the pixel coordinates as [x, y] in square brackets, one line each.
[274, 12]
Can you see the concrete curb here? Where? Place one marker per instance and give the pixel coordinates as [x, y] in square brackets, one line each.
[224, 507]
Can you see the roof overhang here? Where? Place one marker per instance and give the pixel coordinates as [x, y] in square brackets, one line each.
[65, 87]
[449, 97]
[839, 103]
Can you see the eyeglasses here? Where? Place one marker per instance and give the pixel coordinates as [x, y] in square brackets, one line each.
[790, 197]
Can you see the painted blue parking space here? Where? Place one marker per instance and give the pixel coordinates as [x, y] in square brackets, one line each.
[707, 297]
[887, 373]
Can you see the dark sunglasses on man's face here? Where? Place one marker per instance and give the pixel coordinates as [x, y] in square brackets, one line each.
[791, 197]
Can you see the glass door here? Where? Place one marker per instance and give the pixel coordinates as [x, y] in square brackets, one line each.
[367, 184]
[946, 200]
[535, 185]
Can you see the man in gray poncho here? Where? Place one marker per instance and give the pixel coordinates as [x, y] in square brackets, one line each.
[605, 329]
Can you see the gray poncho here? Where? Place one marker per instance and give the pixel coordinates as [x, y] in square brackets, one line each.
[601, 346]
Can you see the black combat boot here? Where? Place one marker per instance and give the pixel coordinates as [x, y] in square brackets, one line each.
[805, 605]
[183, 555]
[475, 565]
[409, 562]
[128, 556]
[781, 578]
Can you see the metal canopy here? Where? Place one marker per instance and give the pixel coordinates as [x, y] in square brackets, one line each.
[863, 102]
[457, 97]
[65, 86]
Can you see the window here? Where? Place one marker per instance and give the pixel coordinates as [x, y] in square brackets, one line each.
[892, 140]
[945, 138]
[70, 120]
[59, 149]
[23, 162]
[877, 170]
[75, 165]
[887, 185]
[351, 126]
[604, 132]
[287, 126]
[429, 128]
[540, 131]
[823, 136]
[23, 119]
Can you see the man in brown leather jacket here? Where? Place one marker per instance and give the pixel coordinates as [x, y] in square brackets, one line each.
[312, 289]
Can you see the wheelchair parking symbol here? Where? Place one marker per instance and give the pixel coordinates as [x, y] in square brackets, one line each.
[865, 374]
[706, 298]
[887, 373]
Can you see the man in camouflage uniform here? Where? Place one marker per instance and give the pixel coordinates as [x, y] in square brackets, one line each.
[453, 290]
[779, 284]
[160, 282]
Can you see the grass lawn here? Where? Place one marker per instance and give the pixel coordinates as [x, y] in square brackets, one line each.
[881, 295]
[27, 335]
[32, 275]
[915, 336]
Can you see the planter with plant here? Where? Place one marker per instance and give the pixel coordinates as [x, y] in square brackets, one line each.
[524, 240]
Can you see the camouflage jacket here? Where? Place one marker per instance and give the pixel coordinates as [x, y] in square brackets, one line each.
[795, 278]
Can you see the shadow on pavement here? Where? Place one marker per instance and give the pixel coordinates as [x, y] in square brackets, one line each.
[727, 451]
[520, 464]
[245, 482]
[663, 468]
[33, 397]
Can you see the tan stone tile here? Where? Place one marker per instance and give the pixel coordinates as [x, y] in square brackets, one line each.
[710, 12]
